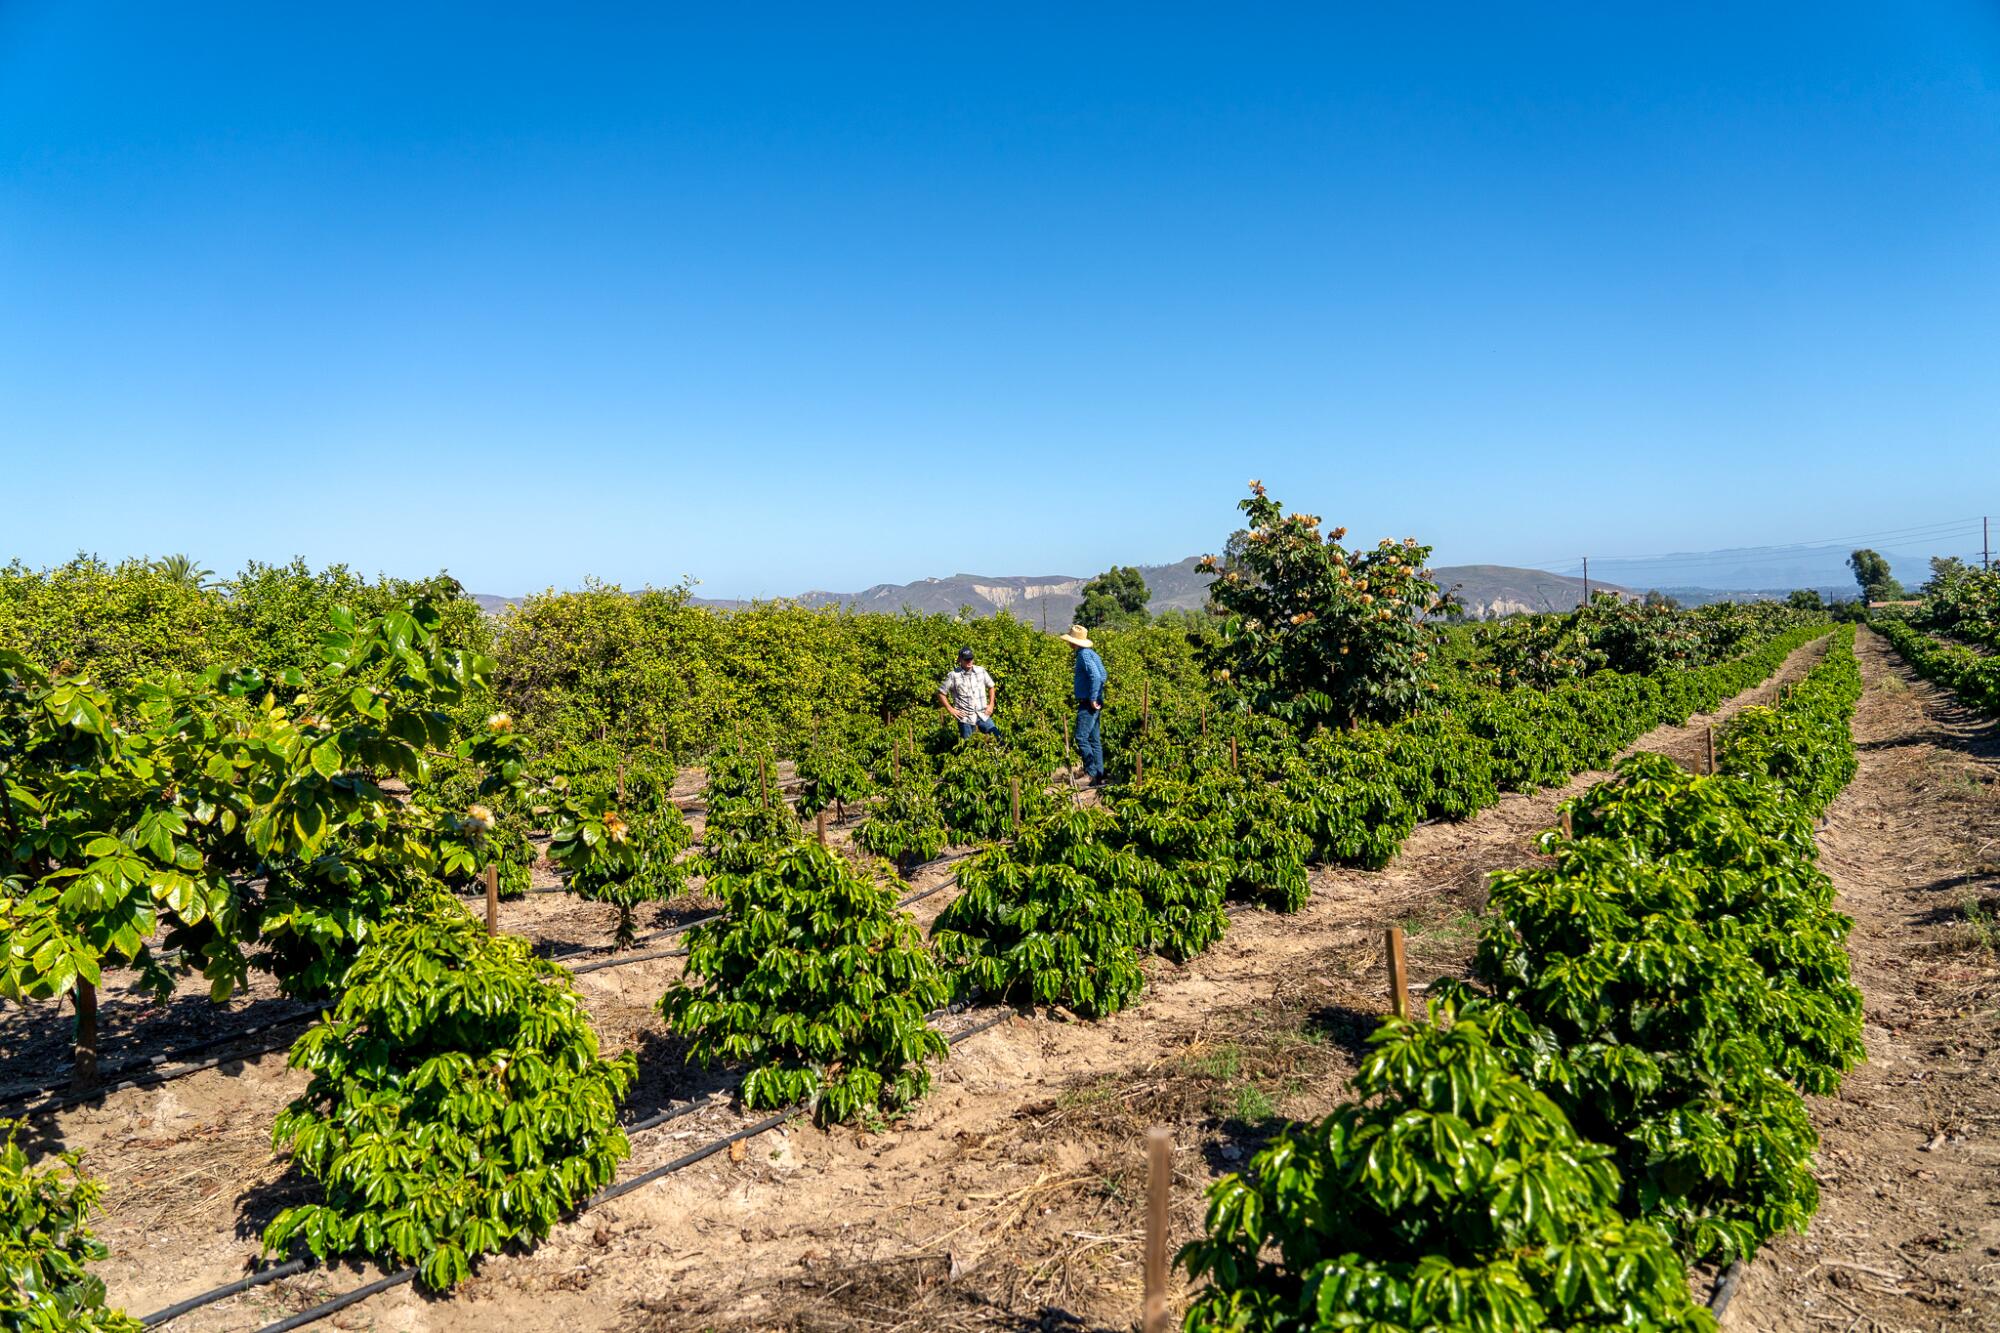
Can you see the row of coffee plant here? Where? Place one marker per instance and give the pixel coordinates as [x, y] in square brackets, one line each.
[1972, 675]
[1615, 1093]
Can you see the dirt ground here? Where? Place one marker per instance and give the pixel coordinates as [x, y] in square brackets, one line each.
[1908, 1233]
[1010, 1198]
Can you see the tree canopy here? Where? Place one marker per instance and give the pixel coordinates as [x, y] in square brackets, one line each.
[1116, 598]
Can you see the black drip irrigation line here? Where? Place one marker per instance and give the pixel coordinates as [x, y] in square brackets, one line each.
[163, 1069]
[605, 1195]
[300, 1013]
[256, 1279]
[1725, 1290]
[652, 954]
[339, 1303]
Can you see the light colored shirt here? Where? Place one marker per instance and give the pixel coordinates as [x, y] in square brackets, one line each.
[967, 688]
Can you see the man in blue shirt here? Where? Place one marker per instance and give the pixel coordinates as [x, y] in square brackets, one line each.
[1089, 704]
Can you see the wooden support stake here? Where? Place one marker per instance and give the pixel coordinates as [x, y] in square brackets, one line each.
[493, 898]
[1399, 972]
[821, 823]
[895, 764]
[1159, 1182]
[1232, 754]
[1014, 802]
[83, 1072]
[1568, 832]
[1139, 766]
[1711, 751]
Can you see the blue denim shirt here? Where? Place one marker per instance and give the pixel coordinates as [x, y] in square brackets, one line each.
[1089, 676]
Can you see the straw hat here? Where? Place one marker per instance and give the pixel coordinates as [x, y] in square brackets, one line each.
[1078, 637]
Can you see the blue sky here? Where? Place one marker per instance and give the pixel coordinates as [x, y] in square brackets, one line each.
[794, 298]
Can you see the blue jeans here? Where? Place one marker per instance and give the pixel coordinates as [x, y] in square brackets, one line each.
[1090, 740]
[984, 724]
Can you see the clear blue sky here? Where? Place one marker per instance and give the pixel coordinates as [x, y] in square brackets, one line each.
[807, 298]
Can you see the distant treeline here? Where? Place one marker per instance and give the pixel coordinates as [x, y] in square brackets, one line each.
[599, 670]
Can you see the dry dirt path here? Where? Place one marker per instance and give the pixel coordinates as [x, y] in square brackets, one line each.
[1908, 1233]
[1018, 1174]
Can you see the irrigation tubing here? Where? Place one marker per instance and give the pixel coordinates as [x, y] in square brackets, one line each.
[651, 954]
[339, 1303]
[165, 1067]
[396, 1279]
[298, 1014]
[256, 1279]
[1725, 1290]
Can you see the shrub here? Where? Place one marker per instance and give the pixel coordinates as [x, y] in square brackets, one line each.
[816, 981]
[1058, 917]
[906, 825]
[1452, 1194]
[458, 1102]
[46, 1245]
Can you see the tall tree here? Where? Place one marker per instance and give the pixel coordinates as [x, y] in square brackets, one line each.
[1115, 598]
[1871, 571]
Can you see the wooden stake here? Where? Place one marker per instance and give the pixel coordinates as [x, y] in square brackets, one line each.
[1232, 754]
[1138, 766]
[1711, 751]
[1399, 972]
[1014, 801]
[493, 898]
[1159, 1181]
[83, 1075]
[1568, 832]
[821, 822]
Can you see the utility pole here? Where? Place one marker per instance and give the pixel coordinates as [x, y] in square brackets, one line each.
[1586, 580]
[1986, 543]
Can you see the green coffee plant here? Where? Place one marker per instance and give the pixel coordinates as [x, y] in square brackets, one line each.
[1802, 741]
[833, 777]
[1443, 770]
[1650, 1028]
[46, 1247]
[1183, 870]
[1972, 676]
[815, 981]
[906, 824]
[609, 857]
[742, 835]
[458, 1102]
[1349, 797]
[1058, 917]
[975, 790]
[1451, 1195]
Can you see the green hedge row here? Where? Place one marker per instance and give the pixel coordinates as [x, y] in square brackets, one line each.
[1972, 676]
[1618, 1093]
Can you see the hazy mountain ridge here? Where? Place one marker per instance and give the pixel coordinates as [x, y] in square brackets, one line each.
[1483, 590]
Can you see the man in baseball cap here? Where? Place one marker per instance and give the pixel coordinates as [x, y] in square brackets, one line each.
[967, 693]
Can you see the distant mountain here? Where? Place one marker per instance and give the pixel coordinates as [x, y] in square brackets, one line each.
[1757, 570]
[1484, 591]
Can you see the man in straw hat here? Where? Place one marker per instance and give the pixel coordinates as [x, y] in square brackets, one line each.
[1089, 704]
